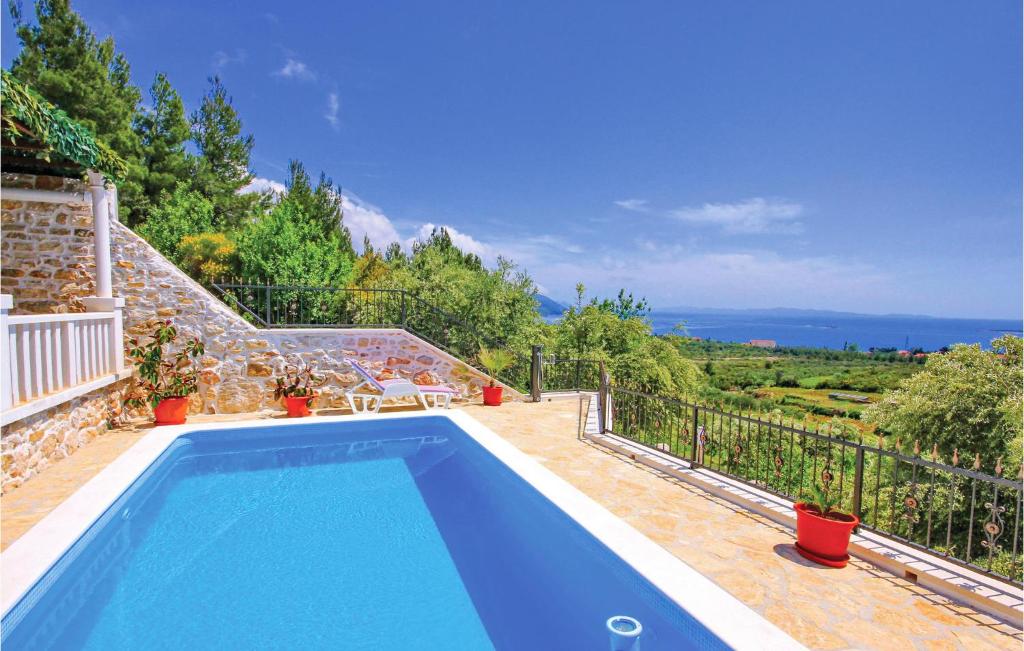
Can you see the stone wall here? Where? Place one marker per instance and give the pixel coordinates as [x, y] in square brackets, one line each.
[46, 252]
[241, 360]
[31, 444]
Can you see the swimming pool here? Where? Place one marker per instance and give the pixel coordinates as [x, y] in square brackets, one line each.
[396, 532]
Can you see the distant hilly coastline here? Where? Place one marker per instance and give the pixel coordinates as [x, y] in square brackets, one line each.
[549, 307]
[787, 312]
[818, 328]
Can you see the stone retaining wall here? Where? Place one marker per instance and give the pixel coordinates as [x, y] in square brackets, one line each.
[46, 252]
[31, 444]
[241, 360]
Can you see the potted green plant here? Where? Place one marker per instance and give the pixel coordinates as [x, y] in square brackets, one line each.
[297, 388]
[165, 379]
[495, 360]
[822, 531]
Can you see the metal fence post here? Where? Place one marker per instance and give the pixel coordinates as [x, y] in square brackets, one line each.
[267, 298]
[603, 395]
[536, 372]
[694, 437]
[576, 383]
[404, 321]
[858, 480]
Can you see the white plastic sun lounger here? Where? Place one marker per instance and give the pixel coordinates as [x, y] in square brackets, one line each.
[389, 389]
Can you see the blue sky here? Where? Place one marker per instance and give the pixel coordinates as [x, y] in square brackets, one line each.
[855, 156]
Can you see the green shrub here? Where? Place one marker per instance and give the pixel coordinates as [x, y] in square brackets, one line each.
[176, 216]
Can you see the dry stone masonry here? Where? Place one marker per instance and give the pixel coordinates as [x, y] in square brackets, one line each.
[30, 445]
[46, 251]
[241, 361]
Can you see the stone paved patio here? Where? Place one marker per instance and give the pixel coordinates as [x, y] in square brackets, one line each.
[859, 607]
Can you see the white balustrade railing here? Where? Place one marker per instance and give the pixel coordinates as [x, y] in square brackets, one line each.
[51, 358]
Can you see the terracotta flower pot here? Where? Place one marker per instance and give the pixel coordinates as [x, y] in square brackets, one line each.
[298, 406]
[823, 540]
[171, 411]
[492, 396]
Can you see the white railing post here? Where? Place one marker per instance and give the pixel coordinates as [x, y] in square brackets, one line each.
[7, 369]
[115, 347]
[69, 353]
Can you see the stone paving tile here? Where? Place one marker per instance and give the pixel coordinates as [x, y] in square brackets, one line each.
[858, 607]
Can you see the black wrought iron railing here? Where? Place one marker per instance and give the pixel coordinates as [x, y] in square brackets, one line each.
[570, 374]
[959, 513]
[300, 306]
[303, 306]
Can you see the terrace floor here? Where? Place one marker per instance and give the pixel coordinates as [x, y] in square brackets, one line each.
[858, 607]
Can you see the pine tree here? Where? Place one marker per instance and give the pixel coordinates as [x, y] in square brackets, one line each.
[321, 204]
[62, 59]
[222, 168]
[163, 131]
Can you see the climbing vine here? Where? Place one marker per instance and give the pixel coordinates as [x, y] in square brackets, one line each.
[26, 115]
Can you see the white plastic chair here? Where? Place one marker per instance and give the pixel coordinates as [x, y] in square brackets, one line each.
[393, 389]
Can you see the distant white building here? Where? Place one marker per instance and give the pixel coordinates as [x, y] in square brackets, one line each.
[762, 343]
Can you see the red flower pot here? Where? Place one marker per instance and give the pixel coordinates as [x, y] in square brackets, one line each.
[823, 540]
[171, 411]
[298, 406]
[492, 396]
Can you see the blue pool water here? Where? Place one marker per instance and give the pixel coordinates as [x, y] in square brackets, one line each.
[369, 535]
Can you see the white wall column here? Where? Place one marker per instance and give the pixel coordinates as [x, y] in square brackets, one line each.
[104, 300]
[115, 215]
[101, 233]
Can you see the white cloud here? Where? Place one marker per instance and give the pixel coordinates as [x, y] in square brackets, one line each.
[222, 59]
[636, 205]
[263, 185]
[674, 276]
[746, 217]
[467, 243]
[332, 109]
[366, 220]
[750, 216]
[295, 69]
[552, 242]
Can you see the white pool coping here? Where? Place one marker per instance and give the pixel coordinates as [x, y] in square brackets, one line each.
[30, 556]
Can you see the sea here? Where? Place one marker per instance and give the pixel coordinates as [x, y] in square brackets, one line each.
[835, 331]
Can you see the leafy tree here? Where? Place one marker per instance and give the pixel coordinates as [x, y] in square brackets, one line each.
[163, 131]
[439, 248]
[636, 358]
[968, 399]
[370, 270]
[285, 246]
[174, 217]
[497, 303]
[624, 306]
[655, 366]
[222, 168]
[321, 204]
[207, 256]
[62, 59]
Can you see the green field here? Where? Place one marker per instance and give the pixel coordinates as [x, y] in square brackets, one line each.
[796, 381]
